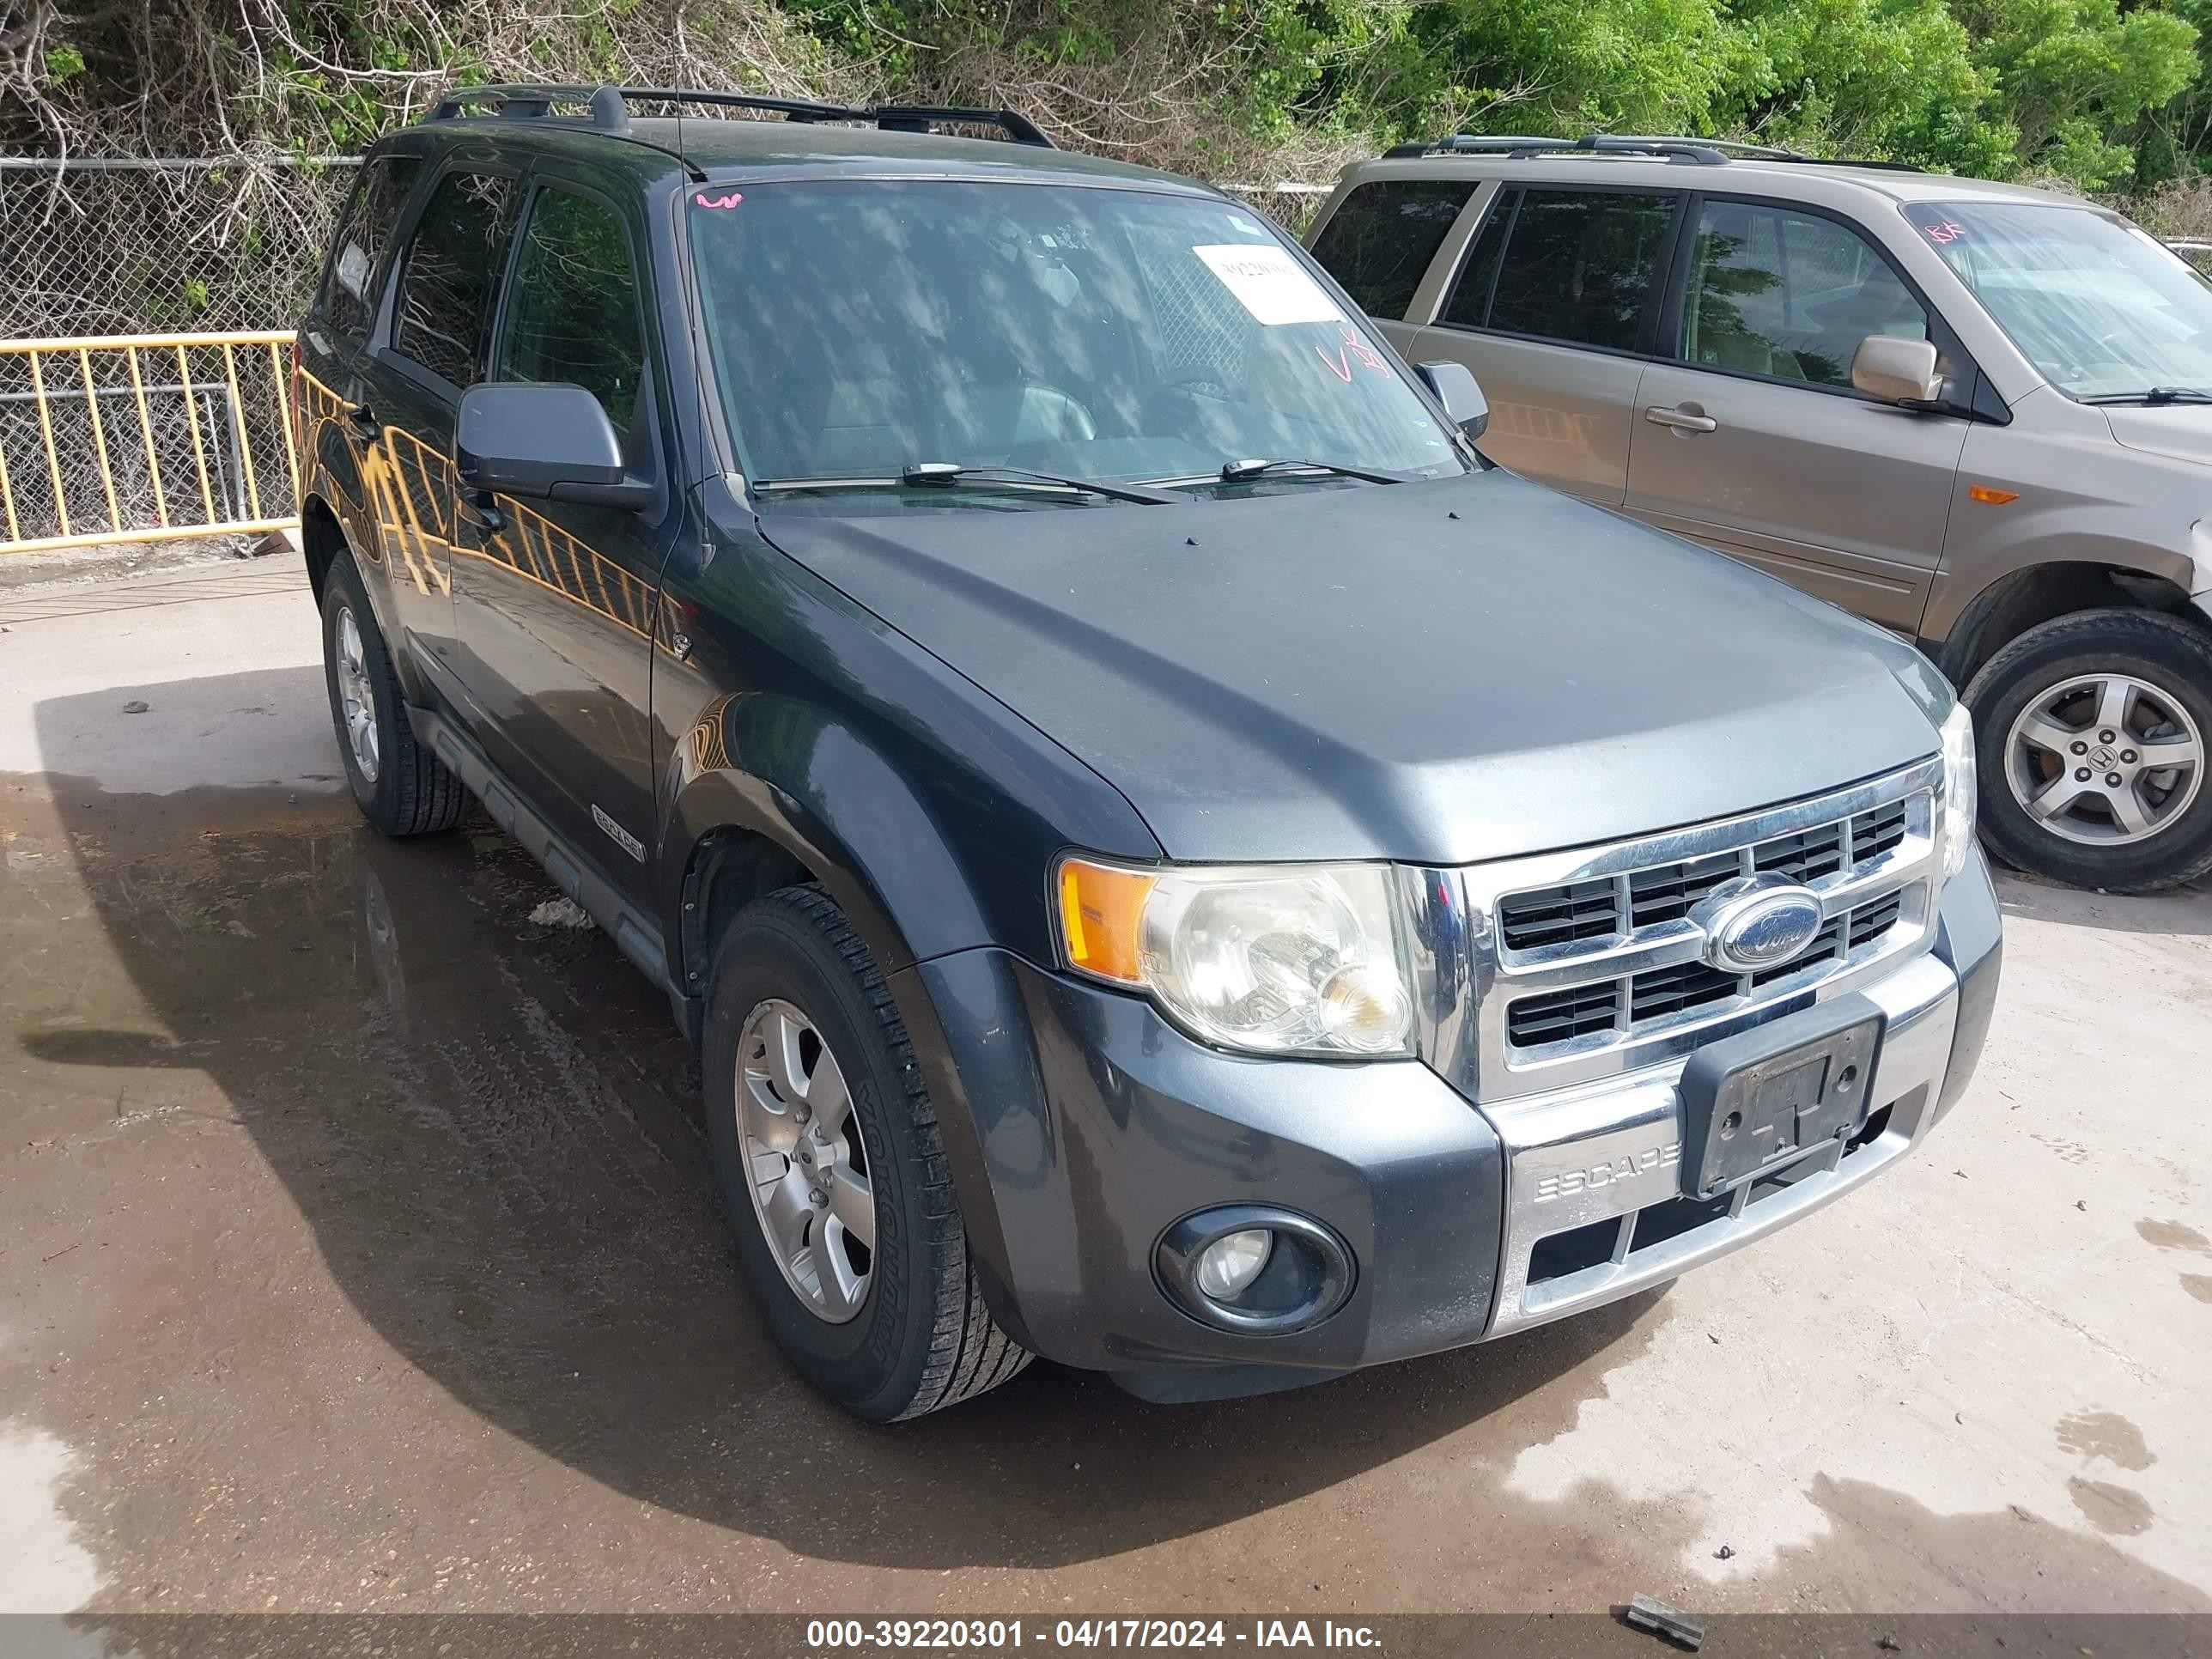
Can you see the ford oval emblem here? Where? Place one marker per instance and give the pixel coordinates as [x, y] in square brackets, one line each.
[1757, 921]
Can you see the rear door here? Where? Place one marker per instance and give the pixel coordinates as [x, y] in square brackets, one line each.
[1751, 438]
[1554, 308]
[334, 344]
[555, 603]
[447, 279]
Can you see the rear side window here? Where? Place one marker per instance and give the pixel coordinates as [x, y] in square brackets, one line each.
[348, 295]
[1380, 240]
[572, 315]
[1578, 265]
[1787, 294]
[450, 274]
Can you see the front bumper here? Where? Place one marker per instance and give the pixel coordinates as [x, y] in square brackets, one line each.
[1097, 1126]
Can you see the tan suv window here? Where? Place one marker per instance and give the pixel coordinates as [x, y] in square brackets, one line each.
[1787, 294]
[1579, 266]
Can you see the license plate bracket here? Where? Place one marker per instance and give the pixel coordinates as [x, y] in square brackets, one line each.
[1770, 1095]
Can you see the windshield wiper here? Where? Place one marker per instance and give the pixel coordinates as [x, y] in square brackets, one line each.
[952, 472]
[1238, 472]
[943, 475]
[2156, 396]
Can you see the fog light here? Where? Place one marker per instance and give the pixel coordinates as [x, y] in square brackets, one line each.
[1233, 1261]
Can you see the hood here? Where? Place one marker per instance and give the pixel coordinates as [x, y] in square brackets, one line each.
[1433, 672]
[2183, 431]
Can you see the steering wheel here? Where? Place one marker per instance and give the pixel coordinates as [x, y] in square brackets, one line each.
[1195, 381]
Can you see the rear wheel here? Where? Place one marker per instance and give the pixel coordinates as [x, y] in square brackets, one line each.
[2091, 732]
[833, 1171]
[402, 788]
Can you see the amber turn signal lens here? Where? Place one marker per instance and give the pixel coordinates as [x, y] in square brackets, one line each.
[1989, 497]
[1100, 909]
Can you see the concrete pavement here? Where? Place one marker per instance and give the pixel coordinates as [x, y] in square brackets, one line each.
[358, 1252]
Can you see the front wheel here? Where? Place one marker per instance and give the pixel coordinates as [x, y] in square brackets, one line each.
[833, 1172]
[2090, 735]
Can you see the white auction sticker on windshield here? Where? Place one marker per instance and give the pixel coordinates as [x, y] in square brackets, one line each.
[1269, 283]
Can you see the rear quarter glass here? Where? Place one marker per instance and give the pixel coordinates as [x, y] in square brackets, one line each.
[1379, 242]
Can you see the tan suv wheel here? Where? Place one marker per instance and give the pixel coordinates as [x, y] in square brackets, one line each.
[2091, 733]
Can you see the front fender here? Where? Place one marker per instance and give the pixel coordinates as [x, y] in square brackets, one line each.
[2064, 496]
[816, 790]
[838, 808]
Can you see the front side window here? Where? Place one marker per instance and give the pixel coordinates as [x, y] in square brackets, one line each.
[2100, 308]
[1578, 265]
[860, 326]
[571, 316]
[349, 296]
[1379, 242]
[1787, 294]
[450, 273]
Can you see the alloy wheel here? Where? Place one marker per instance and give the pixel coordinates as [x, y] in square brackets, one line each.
[357, 704]
[2105, 759]
[806, 1165]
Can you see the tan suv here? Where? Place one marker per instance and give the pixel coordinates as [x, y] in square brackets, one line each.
[1975, 414]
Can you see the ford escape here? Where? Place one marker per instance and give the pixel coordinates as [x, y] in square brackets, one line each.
[1173, 861]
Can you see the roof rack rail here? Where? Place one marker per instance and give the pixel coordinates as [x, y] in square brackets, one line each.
[607, 108]
[1696, 151]
[1700, 152]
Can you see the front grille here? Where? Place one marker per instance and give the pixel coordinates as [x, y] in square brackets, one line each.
[1628, 913]
[1877, 832]
[1557, 915]
[1661, 992]
[1871, 921]
[1806, 856]
[1669, 990]
[1533, 1021]
[1665, 893]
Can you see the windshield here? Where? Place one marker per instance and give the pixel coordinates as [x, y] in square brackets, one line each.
[2097, 305]
[859, 327]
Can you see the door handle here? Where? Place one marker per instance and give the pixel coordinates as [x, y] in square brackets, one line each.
[476, 509]
[363, 422]
[1680, 421]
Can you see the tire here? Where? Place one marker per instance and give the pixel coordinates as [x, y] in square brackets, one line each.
[401, 787]
[916, 1337]
[2154, 830]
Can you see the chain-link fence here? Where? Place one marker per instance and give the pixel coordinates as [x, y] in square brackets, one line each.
[141, 390]
[103, 246]
[100, 247]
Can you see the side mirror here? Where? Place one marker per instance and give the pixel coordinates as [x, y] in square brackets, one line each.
[1897, 370]
[1456, 389]
[544, 443]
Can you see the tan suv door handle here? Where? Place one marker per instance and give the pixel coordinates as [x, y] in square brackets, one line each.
[1680, 421]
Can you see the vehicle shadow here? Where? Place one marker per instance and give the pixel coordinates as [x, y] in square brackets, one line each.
[490, 1125]
[2183, 913]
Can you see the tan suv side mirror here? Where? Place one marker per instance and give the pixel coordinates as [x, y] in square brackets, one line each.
[1897, 370]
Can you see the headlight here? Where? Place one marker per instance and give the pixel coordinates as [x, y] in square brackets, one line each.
[1954, 832]
[1275, 959]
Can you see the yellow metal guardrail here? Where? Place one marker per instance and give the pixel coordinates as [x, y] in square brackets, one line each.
[145, 437]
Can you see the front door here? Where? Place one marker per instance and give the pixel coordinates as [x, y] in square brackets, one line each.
[1752, 440]
[448, 276]
[555, 603]
[1554, 302]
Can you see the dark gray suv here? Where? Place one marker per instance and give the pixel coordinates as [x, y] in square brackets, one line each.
[1173, 862]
